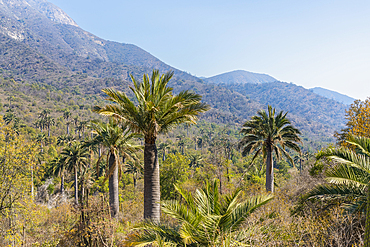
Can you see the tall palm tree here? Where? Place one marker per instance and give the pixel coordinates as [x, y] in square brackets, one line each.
[67, 115]
[41, 138]
[157, 111]
[49, 121]
[58, 167]
[135, 169]
[119, 141]
[75, 157]
[163, 147]
[267, 134]
[205, 218]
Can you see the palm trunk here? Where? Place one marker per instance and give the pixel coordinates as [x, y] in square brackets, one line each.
[269, 170]
[32, 188]
[62, 184]
[76, 186]
[113, 187]
[67, 129]
[367, 224]
[134, 178]
[152, 194]
[48, 131]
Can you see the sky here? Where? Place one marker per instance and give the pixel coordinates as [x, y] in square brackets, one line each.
[318, 43]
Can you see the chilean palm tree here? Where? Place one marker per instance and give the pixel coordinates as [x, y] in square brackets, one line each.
[157, 111]
[348, 180]
[205, 218]
[58, 167]
[75, 157]
[267, 134]
[49, 121]
[67, 115]
[119, 141]
[135, 169]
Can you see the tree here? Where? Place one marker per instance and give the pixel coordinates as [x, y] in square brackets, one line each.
[347, 180]
[157, 111]
[49, 121]
[118, 140]
[269, 134]
[58, 167]
[75, 157]
[135, 169]
[65, 140]
[67, 115]
[205, 218]
[358, 121]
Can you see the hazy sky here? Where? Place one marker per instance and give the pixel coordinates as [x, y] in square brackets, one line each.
[310, 43]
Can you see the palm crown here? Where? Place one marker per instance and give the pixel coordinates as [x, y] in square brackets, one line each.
[158, 110]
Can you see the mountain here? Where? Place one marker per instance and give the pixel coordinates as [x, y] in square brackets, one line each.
[42, 48]
[240, 77]
[333, 95]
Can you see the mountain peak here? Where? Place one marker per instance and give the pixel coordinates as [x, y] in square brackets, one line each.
[53, 12]
[20, 9]
[240, 77]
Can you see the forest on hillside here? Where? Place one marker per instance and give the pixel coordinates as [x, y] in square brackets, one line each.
[142, 168]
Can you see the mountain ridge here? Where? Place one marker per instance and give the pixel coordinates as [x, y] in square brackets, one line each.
[79, 63]
[330, 94]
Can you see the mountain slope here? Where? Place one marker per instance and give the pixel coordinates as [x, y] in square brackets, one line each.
[333, 95]
[240, 76]
[41, 45]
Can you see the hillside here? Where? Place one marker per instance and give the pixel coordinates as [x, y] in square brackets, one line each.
[41, 45]
[333, 95]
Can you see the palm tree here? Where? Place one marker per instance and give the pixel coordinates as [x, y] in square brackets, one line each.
[58, 167]
[135, 169]
[66, 115]
[65, 140]
[41, 138]
[205, 218]
[49, 121]
[118, 140]
[163, 147]
[269, 134]
[75, 157]
[348, 180]
[157, 111]
[301, 157]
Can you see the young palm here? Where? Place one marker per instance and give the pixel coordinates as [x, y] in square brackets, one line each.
[157, 111]
[75, 157]
[348, 180]
[267, 134]
[118, 140]
[205, 218]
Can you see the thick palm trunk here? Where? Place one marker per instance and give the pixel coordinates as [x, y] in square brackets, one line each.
[76, 186]
[367, 224]
[113, 188]
[152, 194]
[269, 170]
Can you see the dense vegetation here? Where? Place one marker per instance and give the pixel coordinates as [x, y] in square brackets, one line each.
[62, 193]
[71, 177]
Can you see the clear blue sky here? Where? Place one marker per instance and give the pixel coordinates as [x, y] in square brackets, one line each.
[310, 43]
